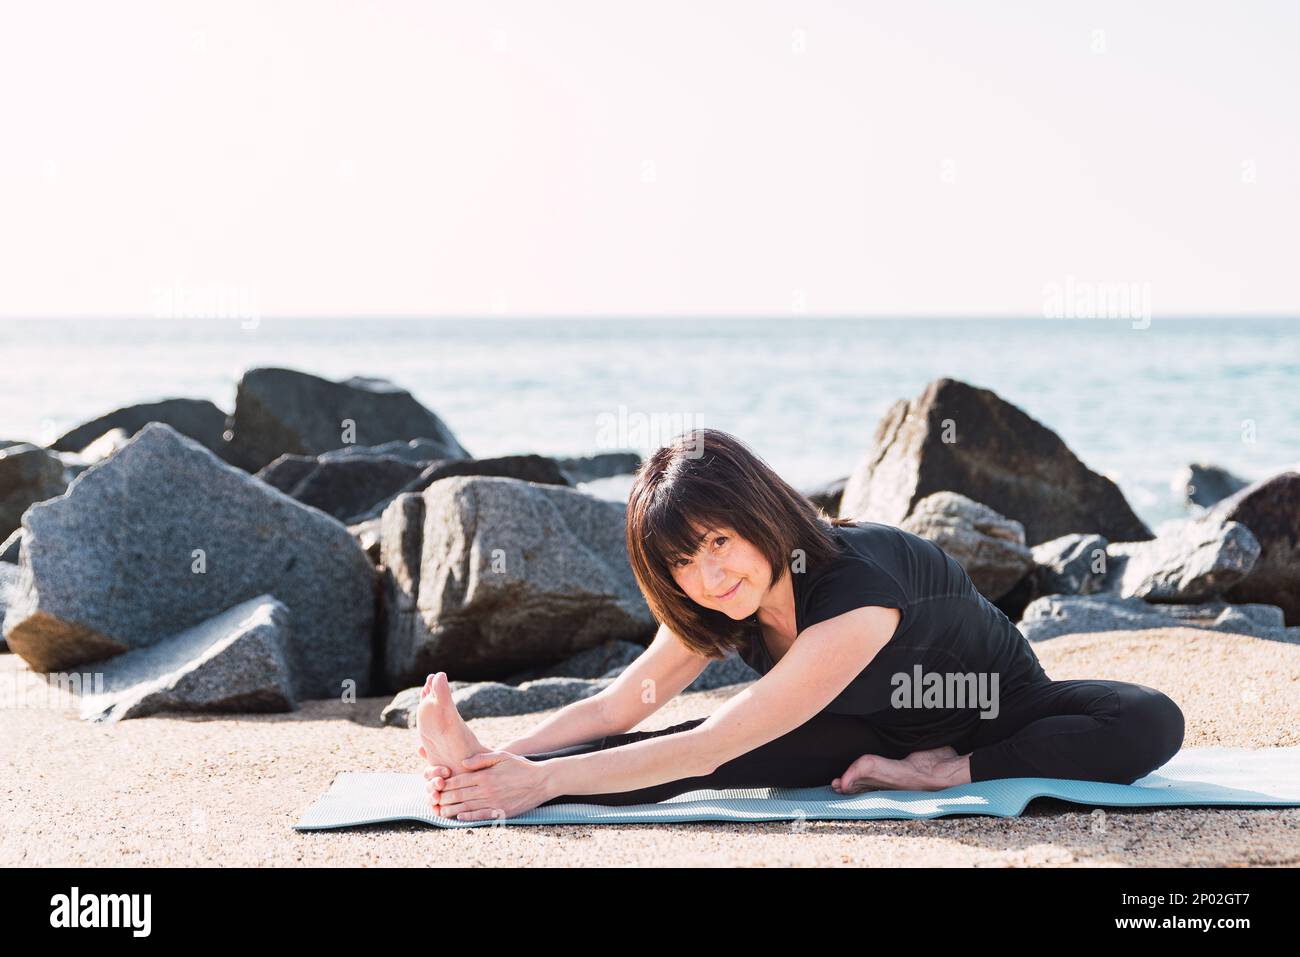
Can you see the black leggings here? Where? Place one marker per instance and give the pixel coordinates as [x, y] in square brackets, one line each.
[1091, 730]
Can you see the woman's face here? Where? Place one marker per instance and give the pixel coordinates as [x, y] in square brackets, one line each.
[726, 573]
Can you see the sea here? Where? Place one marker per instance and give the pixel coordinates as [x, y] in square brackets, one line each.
[1135, 401]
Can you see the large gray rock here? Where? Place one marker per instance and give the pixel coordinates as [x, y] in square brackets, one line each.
[958, 438]
[989, 546]
[235, 662]
[485, 576]
[1054, 615]
[1270, 508]
[283, 410]
[1071, 565]
[1205, 485]
[197, 418]
[163, 536]
[28, 474]
[1189, 561]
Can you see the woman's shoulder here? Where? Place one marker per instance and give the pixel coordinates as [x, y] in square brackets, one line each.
[869, 541]
[852, 579]
[917, 564]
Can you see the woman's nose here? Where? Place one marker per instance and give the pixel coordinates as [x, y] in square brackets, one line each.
[711, 575]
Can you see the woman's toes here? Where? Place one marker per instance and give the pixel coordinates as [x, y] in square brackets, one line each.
[425, 711]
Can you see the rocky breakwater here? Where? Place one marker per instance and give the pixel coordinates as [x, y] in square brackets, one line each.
[163, 536]
[1055, 544]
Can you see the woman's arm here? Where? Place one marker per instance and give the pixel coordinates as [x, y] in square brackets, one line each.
[642, 688]
[628, 767]
[819, 665]
[575, 723]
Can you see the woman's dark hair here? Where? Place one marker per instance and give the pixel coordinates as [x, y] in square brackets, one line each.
[708, 478]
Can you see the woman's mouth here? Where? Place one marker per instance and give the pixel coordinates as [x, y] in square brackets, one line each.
[725, 595]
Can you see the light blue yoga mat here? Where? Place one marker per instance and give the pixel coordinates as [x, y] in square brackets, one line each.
[1267, 777]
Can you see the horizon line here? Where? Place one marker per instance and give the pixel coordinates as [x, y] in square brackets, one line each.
[731, 317]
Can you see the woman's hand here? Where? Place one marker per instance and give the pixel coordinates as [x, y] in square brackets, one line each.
[493, 784]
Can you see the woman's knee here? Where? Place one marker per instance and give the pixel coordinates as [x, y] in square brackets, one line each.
[1154, 724]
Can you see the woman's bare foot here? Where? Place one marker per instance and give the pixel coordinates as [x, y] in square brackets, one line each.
[930, 770]
[445, 738]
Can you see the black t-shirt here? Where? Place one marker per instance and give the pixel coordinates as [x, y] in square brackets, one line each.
[946, 625]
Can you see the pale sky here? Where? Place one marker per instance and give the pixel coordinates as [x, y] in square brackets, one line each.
[386, 158]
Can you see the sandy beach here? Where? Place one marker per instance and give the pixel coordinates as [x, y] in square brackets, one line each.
[186, 790]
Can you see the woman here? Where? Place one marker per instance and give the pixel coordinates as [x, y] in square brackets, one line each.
[882, 666]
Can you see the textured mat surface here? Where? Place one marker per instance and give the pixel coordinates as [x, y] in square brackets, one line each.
[1267, 777]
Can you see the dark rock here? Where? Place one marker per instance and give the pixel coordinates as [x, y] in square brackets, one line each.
[283, 410]
[990, 547]
[287, 471]
[488, 576]
[590, 468]
[1013, 603]
[827, 497]
[197, 418]
[595, 662]
[1270, 508]
[959, 438]
[347, 488]
[164, 536]
[1054, 615]
[234, 662]
[526, 468]
[1204, 484]
[28, 474]
[416, 451]
[11, 546]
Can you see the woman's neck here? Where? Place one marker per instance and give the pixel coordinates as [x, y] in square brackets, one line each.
[776, 609]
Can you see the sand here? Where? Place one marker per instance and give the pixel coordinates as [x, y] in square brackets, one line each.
[181, 790]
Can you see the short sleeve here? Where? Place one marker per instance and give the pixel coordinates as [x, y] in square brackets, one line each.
[850, 584]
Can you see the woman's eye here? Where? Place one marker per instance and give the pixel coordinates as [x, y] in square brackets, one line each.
[720, 538]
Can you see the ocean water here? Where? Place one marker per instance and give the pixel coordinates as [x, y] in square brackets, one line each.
[805, 394]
